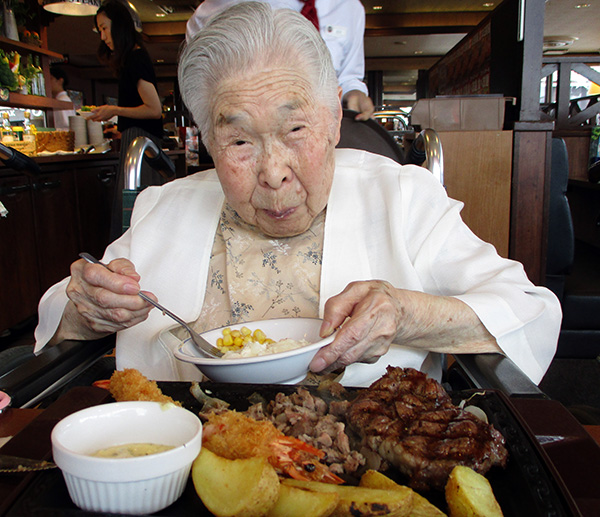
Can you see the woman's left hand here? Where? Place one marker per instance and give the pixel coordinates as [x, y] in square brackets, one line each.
[373, 314]
[102, 113]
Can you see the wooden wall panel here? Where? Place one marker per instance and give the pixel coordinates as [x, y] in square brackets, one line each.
[530, 195]
[477, 171]
[578, 149]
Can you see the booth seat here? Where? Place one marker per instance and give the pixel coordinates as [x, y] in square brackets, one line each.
[572, 268]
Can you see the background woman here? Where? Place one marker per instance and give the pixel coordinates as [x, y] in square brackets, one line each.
[58, 83]
[139, 108]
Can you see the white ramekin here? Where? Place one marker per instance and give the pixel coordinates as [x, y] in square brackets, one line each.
[139, 485]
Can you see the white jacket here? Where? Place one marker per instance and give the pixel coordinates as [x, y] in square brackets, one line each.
[384, 221]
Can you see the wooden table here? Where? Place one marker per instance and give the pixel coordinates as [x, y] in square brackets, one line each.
[594, 431]
[30, 430]
[12, 421]
[572, 450]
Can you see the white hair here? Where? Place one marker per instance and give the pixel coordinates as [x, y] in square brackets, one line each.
[245, 37]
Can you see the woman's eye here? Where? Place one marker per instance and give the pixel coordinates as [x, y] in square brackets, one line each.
[297, 128]
[240, 142]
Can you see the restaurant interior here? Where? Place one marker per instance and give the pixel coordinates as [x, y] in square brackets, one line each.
[504, 96]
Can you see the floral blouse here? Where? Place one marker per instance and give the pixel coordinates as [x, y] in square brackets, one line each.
[255, 277]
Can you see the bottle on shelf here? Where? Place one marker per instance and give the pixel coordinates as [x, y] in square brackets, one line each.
[40, 81]
[28, 128]
[30, 73]
[7, 133]
[17, 133]
[10, 23]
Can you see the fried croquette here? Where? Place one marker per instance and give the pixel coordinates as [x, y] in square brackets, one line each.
[130, 384]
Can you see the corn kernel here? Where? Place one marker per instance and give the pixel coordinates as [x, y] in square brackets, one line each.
[237, 339]
[259, 336]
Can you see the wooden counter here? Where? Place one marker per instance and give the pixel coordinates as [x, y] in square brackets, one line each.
[175, 155]
[52, 217]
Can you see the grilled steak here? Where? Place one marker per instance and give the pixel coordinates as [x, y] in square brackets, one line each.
[411, 422]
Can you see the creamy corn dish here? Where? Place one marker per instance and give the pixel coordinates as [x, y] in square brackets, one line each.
[237, 344]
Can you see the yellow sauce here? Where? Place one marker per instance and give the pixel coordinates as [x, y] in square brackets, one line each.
[132, 450]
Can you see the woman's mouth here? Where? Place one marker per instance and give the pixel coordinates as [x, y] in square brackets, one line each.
[279, 214]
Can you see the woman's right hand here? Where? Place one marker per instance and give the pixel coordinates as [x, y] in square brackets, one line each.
[101, 302]
[102, 113]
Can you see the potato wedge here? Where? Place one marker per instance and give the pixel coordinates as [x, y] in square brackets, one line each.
[235, 488]
[421, 506]
[295, 502]
[469, 494]
[361, 501]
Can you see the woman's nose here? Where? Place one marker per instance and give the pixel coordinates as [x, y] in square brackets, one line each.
[274, 168]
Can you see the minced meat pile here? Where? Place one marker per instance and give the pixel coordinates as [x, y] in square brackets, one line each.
[311, 419]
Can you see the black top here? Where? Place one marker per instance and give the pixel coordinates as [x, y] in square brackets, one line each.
[137, 66]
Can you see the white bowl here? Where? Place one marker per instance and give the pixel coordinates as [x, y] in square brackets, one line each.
[282, 368]
[139, 485]
[84, 114]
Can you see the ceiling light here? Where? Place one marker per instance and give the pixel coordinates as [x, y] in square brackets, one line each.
[556, 52]
[488, 4]
[166, 9]
[418, 51]
[72, 7]
[582, 6]
[160, 15]
[554, 42]
[377, 7]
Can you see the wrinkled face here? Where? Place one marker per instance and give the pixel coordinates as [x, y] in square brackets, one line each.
[273, 148]
[104, 26]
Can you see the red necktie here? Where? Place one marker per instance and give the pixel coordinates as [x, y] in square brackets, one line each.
[310, 12]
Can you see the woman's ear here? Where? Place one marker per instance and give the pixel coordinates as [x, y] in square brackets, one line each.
[338, 117]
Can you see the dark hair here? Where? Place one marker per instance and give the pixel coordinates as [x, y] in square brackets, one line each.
[124, 35]
[59, 73]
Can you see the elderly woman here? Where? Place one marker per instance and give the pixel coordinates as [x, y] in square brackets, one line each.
[286, 225]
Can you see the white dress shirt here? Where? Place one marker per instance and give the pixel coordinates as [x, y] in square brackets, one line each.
[341, 23]
[61, 117]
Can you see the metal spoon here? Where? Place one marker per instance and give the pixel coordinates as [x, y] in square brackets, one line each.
[201, 344]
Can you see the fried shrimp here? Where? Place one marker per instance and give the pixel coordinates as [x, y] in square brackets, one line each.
[130, 384]
[234, 435]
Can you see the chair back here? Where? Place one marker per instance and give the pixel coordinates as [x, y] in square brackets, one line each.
[561, 236]
[368, 135]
